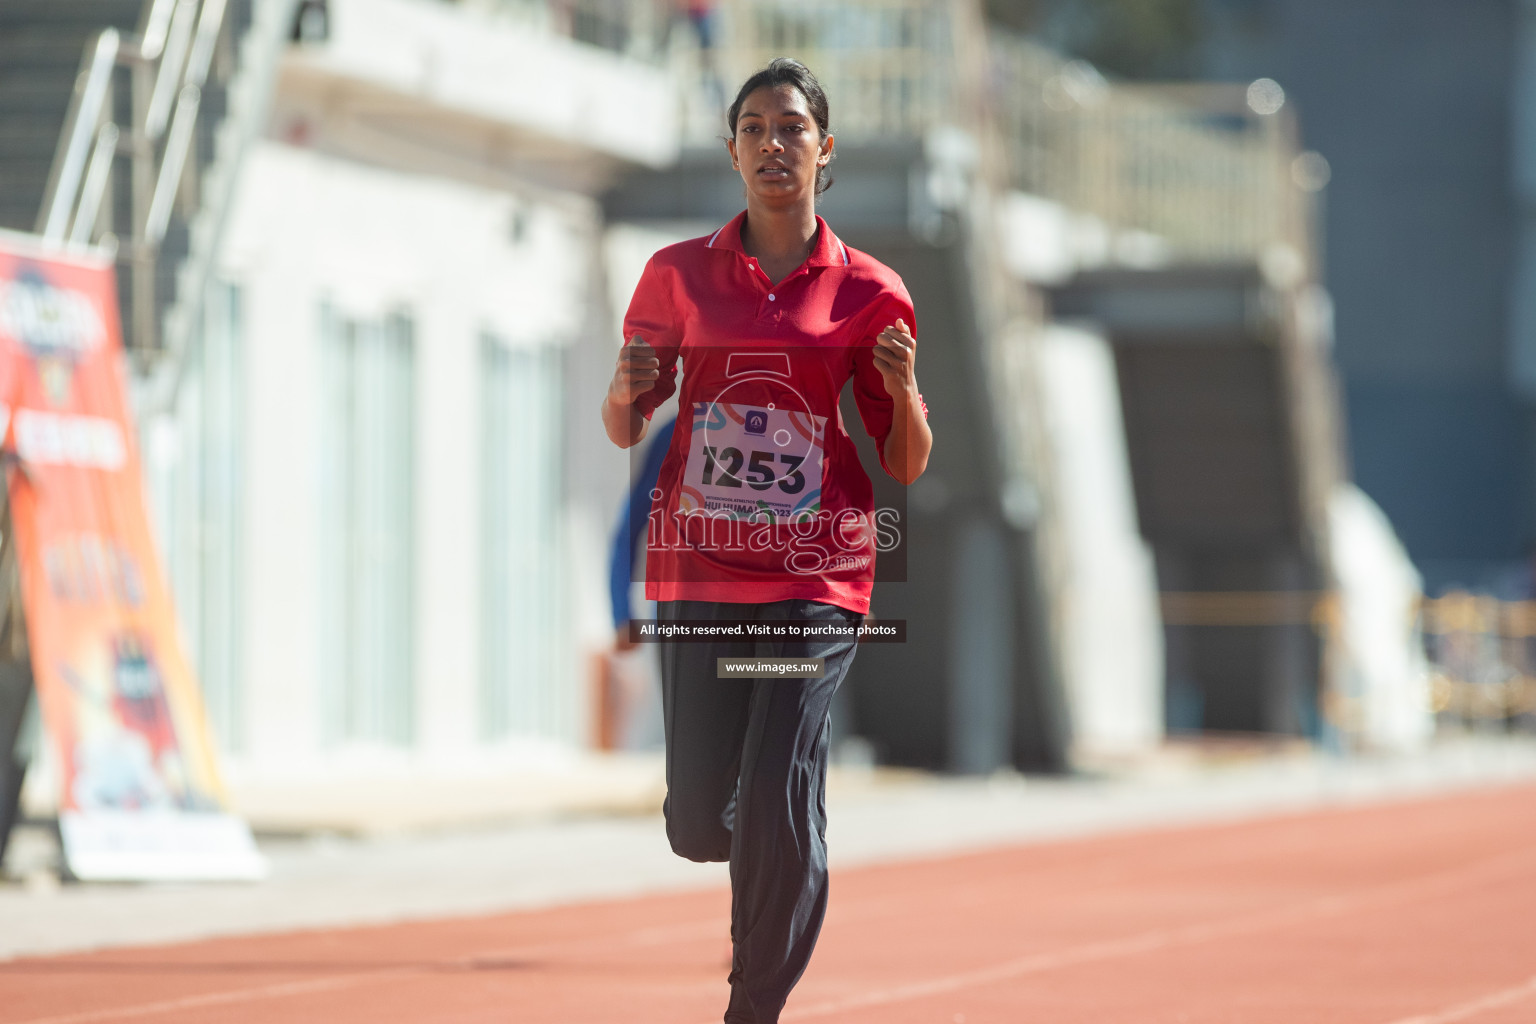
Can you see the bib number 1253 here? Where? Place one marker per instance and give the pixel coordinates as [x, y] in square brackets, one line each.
[749, 462]
[723, 467]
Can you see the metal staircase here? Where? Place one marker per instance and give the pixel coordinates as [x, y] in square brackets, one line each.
[122, 124]
[41, 47]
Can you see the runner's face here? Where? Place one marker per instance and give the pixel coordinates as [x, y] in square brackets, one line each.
[778, 147]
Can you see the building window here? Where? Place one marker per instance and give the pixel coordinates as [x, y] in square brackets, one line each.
[523, 689]
[199, 476]
[368, 546]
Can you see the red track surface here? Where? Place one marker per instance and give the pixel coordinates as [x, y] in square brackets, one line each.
[1415, 913]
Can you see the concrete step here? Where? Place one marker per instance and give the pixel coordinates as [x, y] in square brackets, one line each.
[42, 48]
[28, 95]
[123, 15]
[19, 172]
[17, 214]
[27, 137]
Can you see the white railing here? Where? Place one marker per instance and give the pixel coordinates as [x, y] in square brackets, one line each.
[1206, 170]
[634, 28]
[1483, 656]
[82, 124]
[889, 67]
[166, 66]
[248, 94]
[175, 52]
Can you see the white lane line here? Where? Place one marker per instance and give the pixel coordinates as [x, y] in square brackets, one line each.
[1146, 942]
[1034, 963]
[1164, 938]
[1493, 1001]
[289, 988]
[650, 935]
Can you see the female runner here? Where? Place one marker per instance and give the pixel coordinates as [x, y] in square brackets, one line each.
[763, 514]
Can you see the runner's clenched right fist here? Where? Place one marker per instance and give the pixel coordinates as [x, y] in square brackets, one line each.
[635, 373]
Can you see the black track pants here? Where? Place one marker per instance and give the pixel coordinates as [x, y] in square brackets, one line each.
[746, 782]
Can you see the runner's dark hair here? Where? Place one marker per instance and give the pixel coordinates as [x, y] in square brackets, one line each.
[788, 71]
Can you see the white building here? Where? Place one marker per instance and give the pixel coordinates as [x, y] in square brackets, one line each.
[386, 491]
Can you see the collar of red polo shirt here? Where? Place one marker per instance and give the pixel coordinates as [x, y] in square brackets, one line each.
[829, 250]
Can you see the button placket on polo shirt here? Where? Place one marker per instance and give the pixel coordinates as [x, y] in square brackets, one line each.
[765, 306]
[772, 310]
[776, 296]
[770, 306]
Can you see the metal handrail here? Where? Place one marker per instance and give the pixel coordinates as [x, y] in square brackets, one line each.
[208, 26]
[248, 99]
[173, 60]
[177, 144]
[85, 112]
[155, 27]
[170, 64]
[95, 186]
[183, 122]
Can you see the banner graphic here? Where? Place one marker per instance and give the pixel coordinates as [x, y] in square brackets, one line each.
[140, 792]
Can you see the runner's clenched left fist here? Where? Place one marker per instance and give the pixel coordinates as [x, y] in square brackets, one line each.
[896, 359]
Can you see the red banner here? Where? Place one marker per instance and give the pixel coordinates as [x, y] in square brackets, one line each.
[140, 790]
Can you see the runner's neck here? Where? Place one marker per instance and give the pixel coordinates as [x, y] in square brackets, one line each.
[780, 242]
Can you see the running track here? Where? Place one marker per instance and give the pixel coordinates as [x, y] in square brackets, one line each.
[1408, 913]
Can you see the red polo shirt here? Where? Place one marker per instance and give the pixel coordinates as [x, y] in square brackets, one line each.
[761, 494]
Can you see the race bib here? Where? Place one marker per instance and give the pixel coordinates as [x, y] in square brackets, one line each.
[753, 463]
